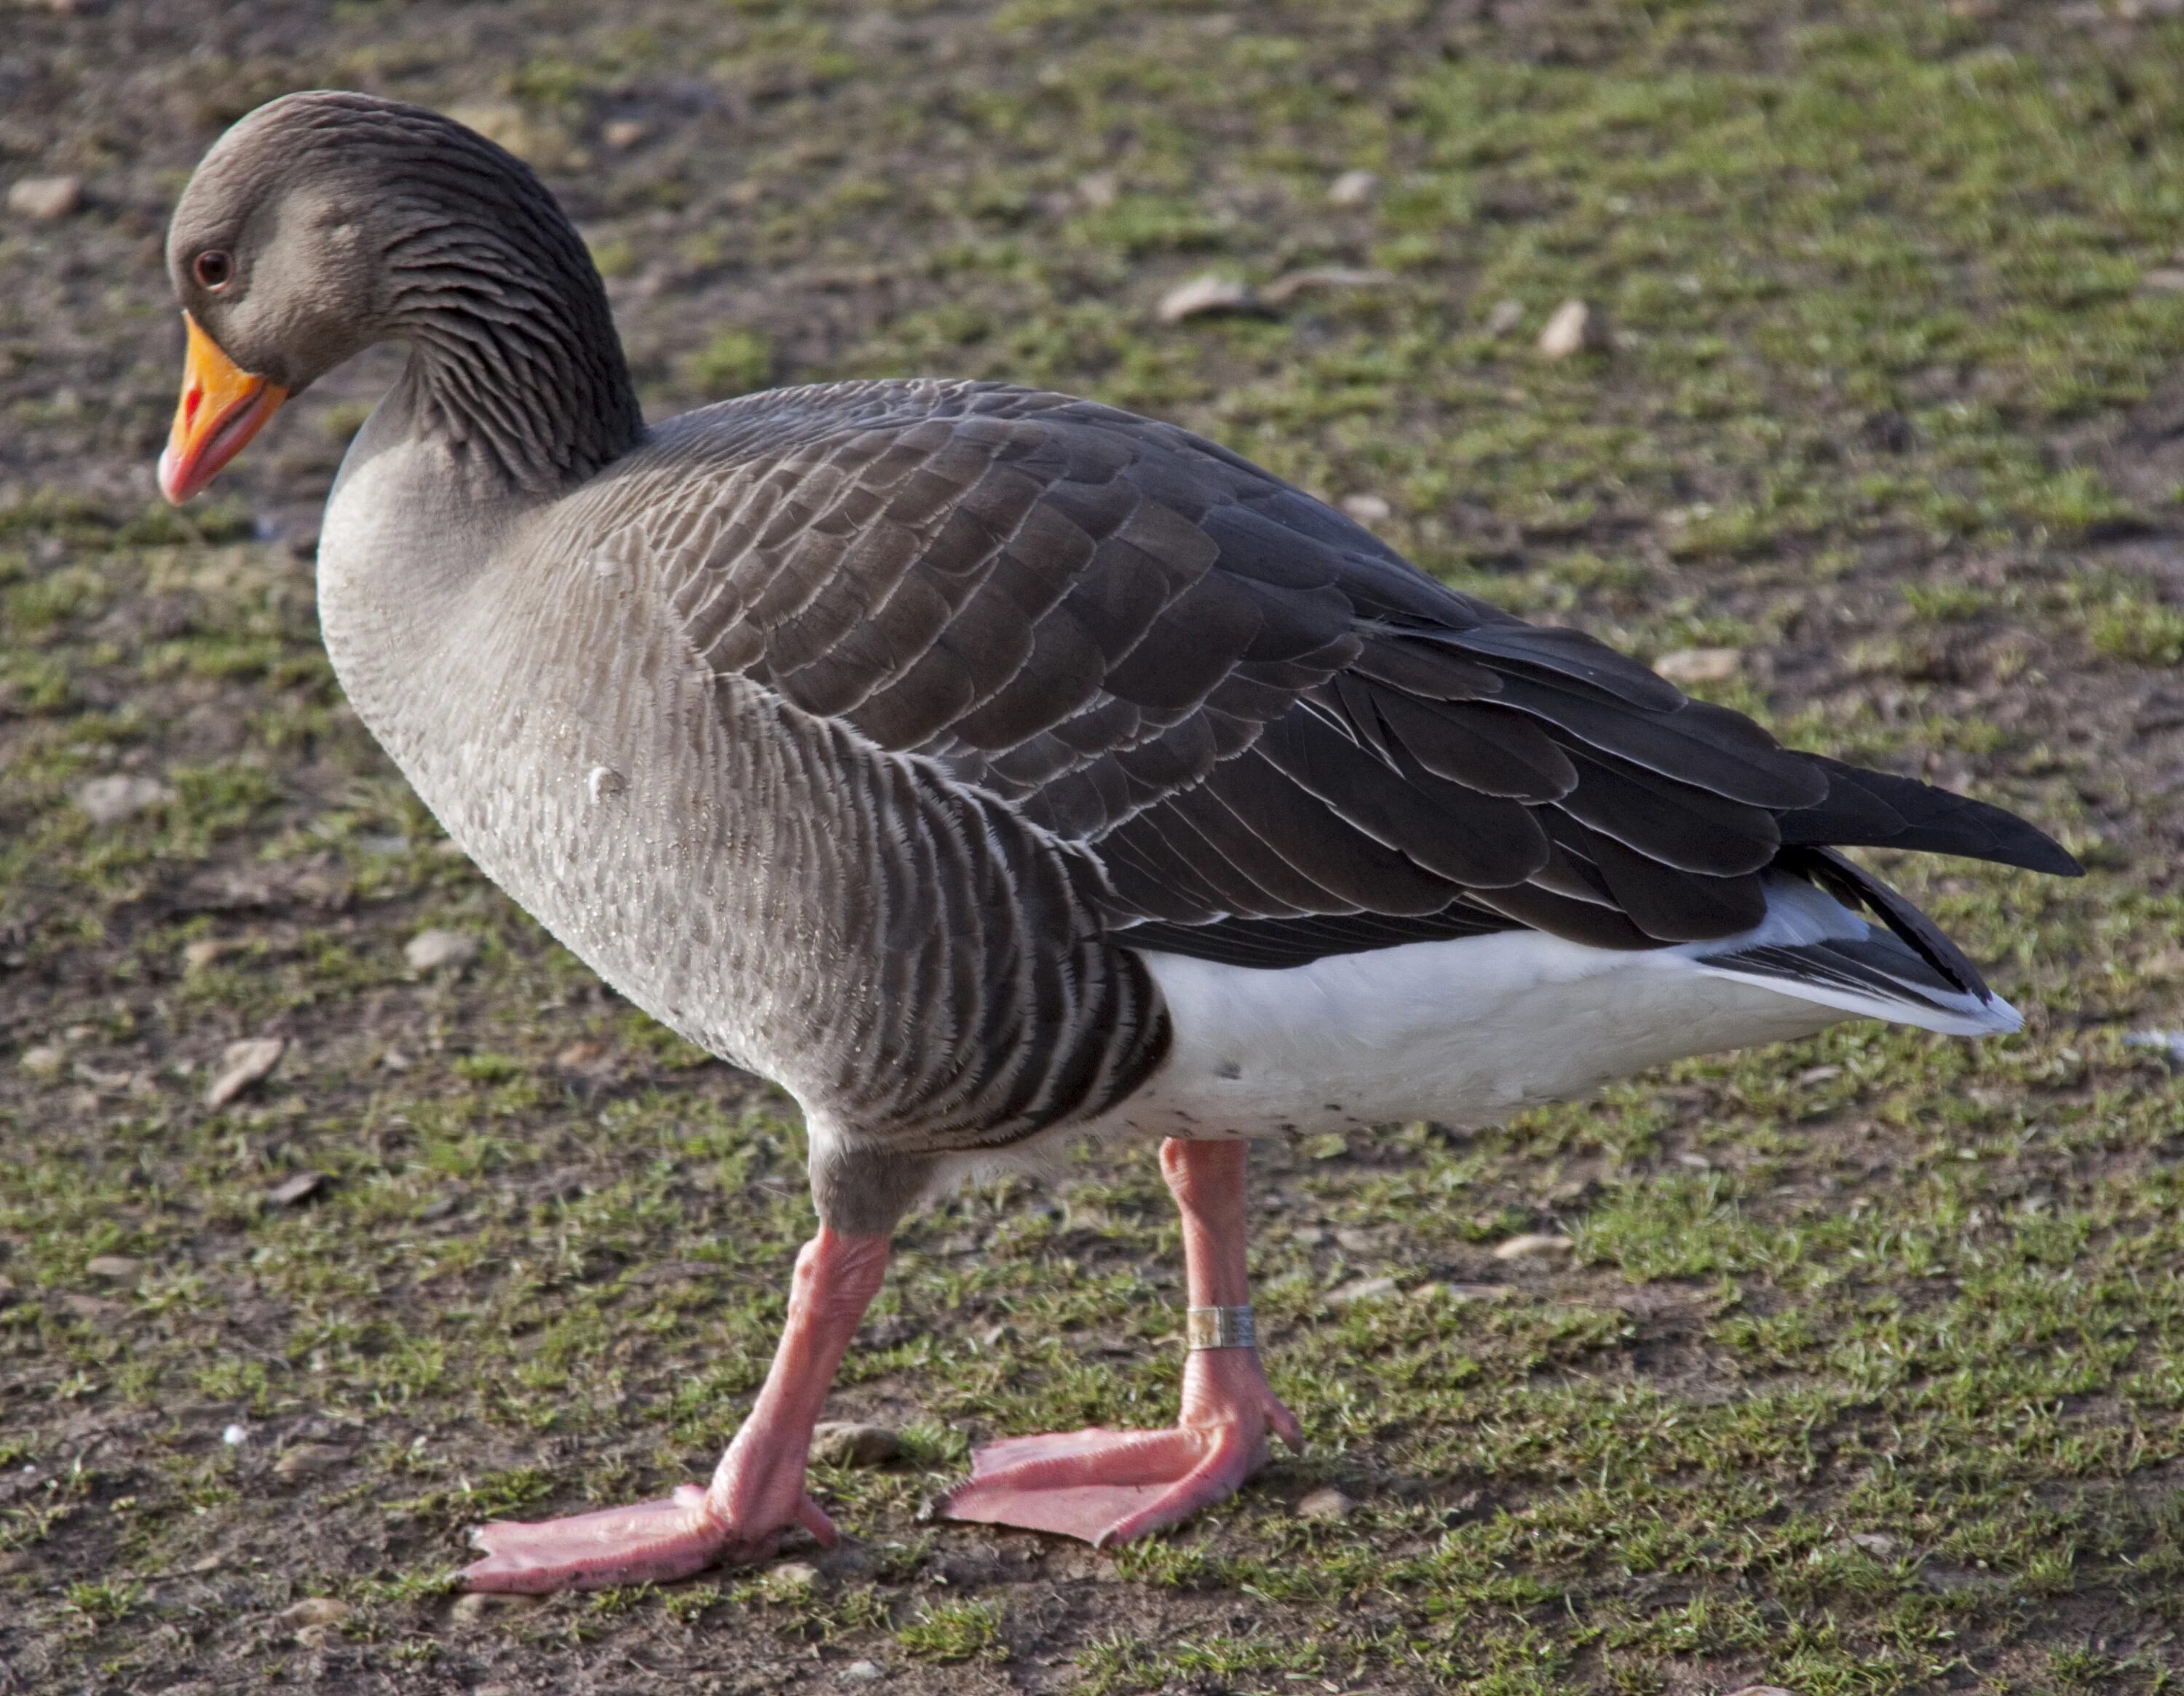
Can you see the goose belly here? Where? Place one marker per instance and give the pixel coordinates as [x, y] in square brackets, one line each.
[1466, 1030]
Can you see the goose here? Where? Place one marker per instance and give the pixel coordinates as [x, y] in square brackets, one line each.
[994, 769]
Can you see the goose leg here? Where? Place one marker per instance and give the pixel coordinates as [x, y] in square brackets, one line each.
[757, 1490]
[1107, 1486]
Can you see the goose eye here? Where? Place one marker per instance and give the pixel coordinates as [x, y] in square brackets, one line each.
[213, 269]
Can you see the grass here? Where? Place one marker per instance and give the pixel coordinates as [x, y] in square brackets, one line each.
[1864, 1372]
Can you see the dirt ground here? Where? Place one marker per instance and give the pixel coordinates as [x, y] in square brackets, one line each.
[1855, 1365]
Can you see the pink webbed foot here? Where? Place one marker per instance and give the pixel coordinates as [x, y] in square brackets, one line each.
[1107, 1486]
[653, 1543]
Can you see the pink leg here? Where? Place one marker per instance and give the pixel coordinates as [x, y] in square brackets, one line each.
[1107, 1486]
[757, 1490]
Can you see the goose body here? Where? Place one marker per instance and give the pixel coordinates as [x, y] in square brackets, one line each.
[989, 768]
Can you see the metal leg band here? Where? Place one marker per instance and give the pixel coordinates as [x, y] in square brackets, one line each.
[1219, 1328]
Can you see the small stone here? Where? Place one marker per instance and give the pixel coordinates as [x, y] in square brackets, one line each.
[1353, 188]
[1360, 1290]
[316, 1611]
[482, 1605]
[428, 951]
[44, 1061]
[1326, 1503]
[295, 1191]
[603, 781]
[1097, 192]
[846, 1443]
[394, 1060]
[792, 1578]
[308, 1460]
[585, 1054]
[1577, 327]
[1204, 296]
[1818, 1074]
[1878, 1544]
[1505, 316]
[1681, 666]
[1367, 509]
[45, 197]
[236, 1436]
[118, 1268]
[1529, 1246]
[622, 134]
[1762, 1690]
[2163, 281]
[863, 1672]
[243, 1064]
[439, 1207]
[108, 800]
[201, 953]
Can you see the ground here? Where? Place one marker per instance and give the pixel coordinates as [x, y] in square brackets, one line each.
[1862, 1367]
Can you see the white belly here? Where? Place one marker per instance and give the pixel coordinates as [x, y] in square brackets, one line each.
[1465, 1031]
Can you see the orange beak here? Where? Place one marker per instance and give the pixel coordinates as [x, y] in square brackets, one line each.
[222, 407]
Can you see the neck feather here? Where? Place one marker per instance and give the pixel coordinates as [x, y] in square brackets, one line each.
[514, 359]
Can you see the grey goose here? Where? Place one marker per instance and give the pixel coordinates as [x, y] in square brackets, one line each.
[992, 769]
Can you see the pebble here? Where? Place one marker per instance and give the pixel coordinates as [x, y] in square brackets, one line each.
[1353, 188]
[1326, 1503]
[1878, 1544]
[1206, 295]
[1531, 1245]
[1505, 316]
[623, 133]
[792, 1578]
[2163, 281]
[1360, 1290]
[295, 1192]
[316, 1610]
[46, 197]
[44, 1061]
[1367, 509]
[201, 953]
[428, 951]
[847, 1442]
[120, 1268]
[1761, 1690]
[242, 1064]
[1098, 192]
[236, 1436]
[108, 800]
[1682, 666]
[863, 1672]
[1577, 327]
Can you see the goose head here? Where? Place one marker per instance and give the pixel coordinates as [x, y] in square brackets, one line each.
[326, 222]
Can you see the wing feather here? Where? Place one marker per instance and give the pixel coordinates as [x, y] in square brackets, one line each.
[1270, 734]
